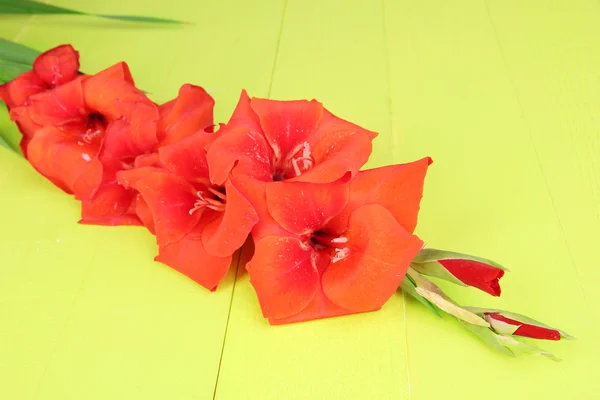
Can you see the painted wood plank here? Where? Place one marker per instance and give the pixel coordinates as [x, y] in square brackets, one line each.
[332, 51]
[86, 312]
[453, 98]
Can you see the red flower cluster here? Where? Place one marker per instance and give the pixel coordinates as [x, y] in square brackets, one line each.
[79, 131]
[329, 239]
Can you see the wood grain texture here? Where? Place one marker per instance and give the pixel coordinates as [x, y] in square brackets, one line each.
[503, 94]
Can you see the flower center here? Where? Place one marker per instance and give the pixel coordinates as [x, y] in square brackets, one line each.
[213, 199]
[304, 162]
[95, 127]
[322, 240]
[294, 164]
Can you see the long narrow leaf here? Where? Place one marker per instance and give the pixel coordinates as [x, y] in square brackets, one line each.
[15, 52]
[408, 286]
[4, 144]
[10, 70]
[33, 7]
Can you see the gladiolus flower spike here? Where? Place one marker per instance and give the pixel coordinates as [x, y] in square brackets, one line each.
[330, 238]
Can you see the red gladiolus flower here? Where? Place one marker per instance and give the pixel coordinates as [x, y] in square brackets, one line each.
[279, 140]
[322, 265]
[130, 138]
[51, 69]
[94, 126]
[198, 225]
[89, 128]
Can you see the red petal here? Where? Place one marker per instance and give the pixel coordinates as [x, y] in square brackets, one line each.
[61, 106]
[380, 252]
[236, 143]
[336, 154]
[131, 177]
[170, 199]
[58, 65]
[147, 160]
[4, 96]
[109, 206]
[15, 92]
[244, 115]
[255, 192]
[114, 98]
[191, 111]
[89, 180]
[527, 330]
[225, 235]
[330, 124]
[189, 257]
[320, 306]
[472, 273]
[125, 139]
[144, 213]
[239, 147]
[59, 156]
[284, 275]
[398, 188]
[119, 71]
[187, 157]
[287, 124]
[302, 207]
[26, 125]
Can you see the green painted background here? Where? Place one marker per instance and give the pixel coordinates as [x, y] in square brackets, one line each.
[503, 94]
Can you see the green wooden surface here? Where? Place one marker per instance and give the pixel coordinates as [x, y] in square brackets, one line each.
[503, 94]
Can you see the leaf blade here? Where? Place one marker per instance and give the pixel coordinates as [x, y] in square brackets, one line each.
[408, 286]
[430, 255]
[30, 7]
[16, 52]
[10, 70]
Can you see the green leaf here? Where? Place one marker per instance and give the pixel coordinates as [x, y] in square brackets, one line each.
[521, 348]
[502, 327]
[135, 18]
[506, 344]
[4, 144]
[431, 292]
[431, 255]
[488, 337]
[451, 308]
[436, 270]
[420, 281]
[17, 53]
[408, 286]
[14, 59]
[10, 70]
[34, 7]
[520, 318]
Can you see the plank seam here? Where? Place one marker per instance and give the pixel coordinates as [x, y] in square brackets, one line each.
[237, 268]
[277, 45]
[389, 102]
